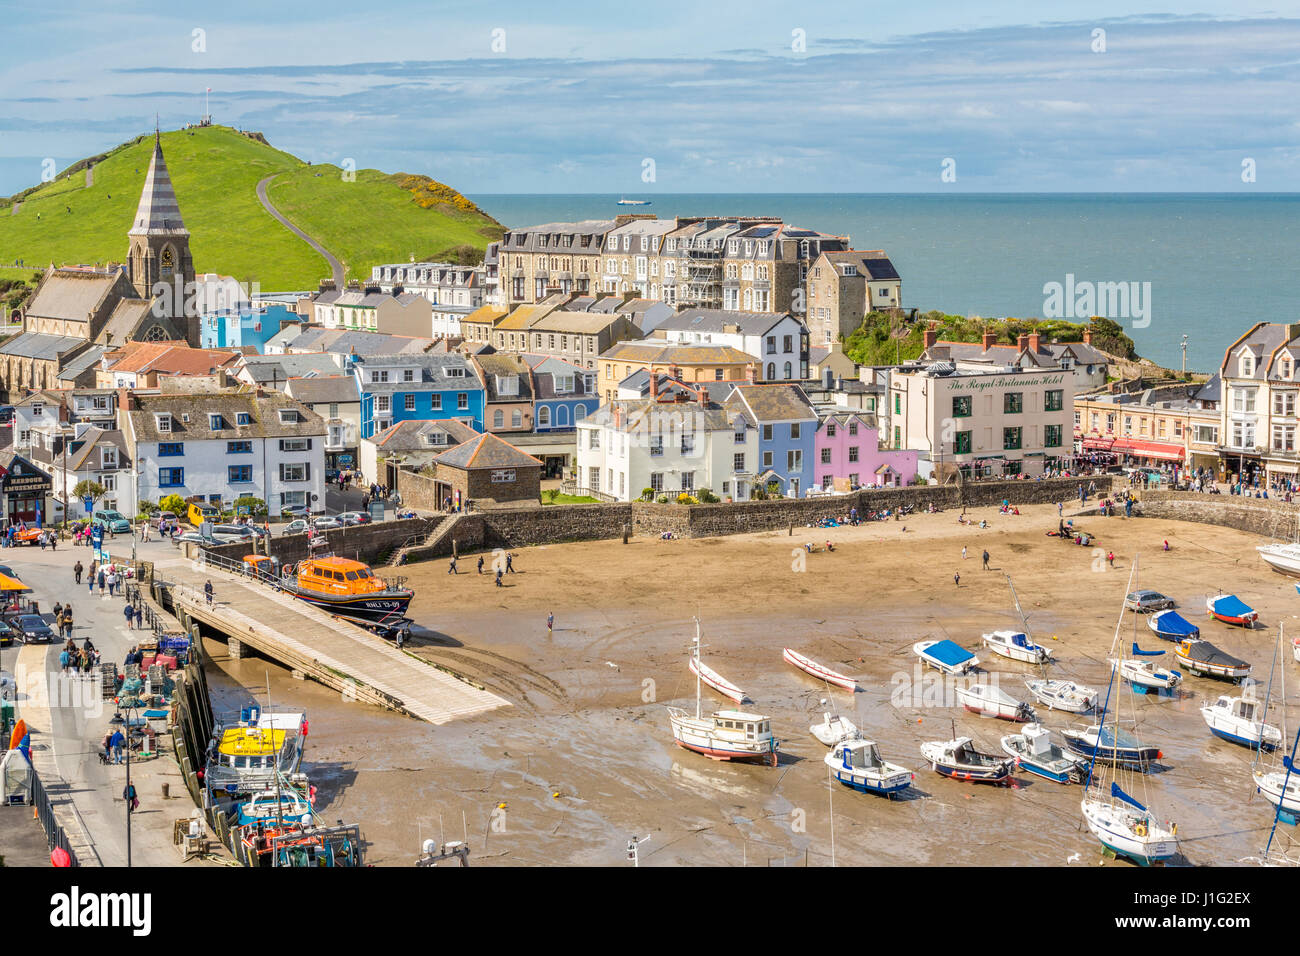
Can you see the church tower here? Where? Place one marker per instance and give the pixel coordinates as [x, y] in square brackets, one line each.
[158, 257]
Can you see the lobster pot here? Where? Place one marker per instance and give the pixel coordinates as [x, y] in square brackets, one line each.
[108, 680]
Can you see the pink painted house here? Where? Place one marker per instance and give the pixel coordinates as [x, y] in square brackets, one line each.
[847, 448]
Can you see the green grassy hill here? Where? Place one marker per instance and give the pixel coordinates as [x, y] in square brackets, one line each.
[215, 171]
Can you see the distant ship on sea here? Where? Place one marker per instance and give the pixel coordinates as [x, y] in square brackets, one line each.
[634, 202]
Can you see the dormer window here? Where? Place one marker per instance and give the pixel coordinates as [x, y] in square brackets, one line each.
[408, 375]
[288, 416]
[164, 422]
[1286, 367]
[243, 418]
[215, 422]
[455, 371]
[436, 438]
[1247, 365]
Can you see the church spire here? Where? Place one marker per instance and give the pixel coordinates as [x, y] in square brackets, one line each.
[158, 213]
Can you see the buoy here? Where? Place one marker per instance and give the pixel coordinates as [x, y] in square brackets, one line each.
[556, 793]
[501, 806]
[60, 857]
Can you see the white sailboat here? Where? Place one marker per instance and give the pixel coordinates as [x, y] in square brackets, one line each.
[725, 734]
[1280, 785]
[1123, 825]
[1017, 645]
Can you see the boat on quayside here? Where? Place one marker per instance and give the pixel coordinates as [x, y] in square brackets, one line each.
[724, 734]
[347, 588]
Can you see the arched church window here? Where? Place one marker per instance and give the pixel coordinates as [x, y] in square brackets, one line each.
[155, 334]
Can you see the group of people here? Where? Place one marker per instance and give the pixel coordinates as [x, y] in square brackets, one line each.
[453, 567]
[78, 660]
[105, 576]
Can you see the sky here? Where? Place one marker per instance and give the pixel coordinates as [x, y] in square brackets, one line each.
[682, 97]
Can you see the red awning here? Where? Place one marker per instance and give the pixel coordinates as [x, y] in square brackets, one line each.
[1149, 449]
[1098, 444]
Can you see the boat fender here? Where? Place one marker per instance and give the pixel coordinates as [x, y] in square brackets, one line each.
[1140, 829]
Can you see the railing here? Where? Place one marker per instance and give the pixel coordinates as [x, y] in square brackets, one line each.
[54, 833]
[571, 487]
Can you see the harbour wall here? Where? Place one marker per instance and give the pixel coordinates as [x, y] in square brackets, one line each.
[554, 524]
[1263, 516]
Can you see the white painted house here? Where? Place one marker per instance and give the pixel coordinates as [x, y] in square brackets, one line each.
[226, 445]
[778, 340]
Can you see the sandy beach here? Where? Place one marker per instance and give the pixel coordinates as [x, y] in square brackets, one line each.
[585, 758]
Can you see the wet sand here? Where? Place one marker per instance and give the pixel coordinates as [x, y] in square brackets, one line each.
[585, 758]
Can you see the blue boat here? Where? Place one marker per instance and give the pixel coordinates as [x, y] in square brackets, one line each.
[1172, 626]
[947, 656]
[1231, 609]
[858, 765]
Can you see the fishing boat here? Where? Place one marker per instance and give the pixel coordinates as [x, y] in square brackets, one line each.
[1035, 753]
[990, 701]
[1282, 558]
[1112, 745]
[1205, 660]
[810, 666]
[346, 588]
[725, 734]
[1230, 609]
[1145, 673]
[858, 765]
[1172, 626]
[946, 656]
[249, 750]
[1240, 720]
[1017, 646]
[274, 805]
[960, 759]
[1063, 695]
[715, 680]
[833, 729]
[297, 844]
[1123, 825]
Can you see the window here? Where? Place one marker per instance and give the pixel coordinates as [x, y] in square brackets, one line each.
[962, 444]
[595, 438]
[215, 422]
[656, 481]
[1013, 403]
[498, 419]
[786, 343]
[1052, 436]
[738, 462]
[462, 401]
[853, 427]
[382, 403]
[108, 456]
[794, 460]
[516, 418]
[826, 456]
[688, 443]
[853, 453]
[656, 446]
[543, 416]
[408, 375]
[295, 444]
[1284, 404]
[688, 481]
[1284, 438]
[169, 449]
[171, 477]
[435, 401]
[771, 371]
[961, 406]
[1053, 400]
[379, 375]
[164, 422]
[408, 403]
[243, 418]
[767, 433]
[300, 471]
[771, 345]
[794, 431]
[898, 403]
[236, 474]
[789, 371]
[1010, 438]
[239, 448]
[767, 459]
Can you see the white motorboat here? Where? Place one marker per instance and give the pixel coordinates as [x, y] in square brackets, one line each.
[725, 734]
[1283, 558]
[1280, 787]
[1240, 720]
[946, 656]
[1017, 646]
[833, 729]
[960, 759]
[1144, 673]
[857, 764]
[1063, 695]
[990, 701]
[1036, 754]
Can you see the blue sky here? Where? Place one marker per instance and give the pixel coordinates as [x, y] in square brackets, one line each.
[713, 93]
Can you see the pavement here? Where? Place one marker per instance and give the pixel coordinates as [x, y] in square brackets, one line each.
[68, 719]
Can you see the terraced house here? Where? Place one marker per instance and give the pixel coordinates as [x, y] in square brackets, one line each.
[688, 363]
[766, 266]
[508, 392]
[776, 340]
[395, 388]
[563, 257]
[1260, 386]
[786, 425]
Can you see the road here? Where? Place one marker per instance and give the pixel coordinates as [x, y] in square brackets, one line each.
[336, 267]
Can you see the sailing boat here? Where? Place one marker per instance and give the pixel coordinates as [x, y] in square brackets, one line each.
[1280, 787]
[726, 734]
[1016, 645]
[1123, 825]
[1145, 674]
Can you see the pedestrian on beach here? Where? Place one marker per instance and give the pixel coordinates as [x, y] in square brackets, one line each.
[510, 563]
[128, 794]
[1110, 558]
[550, 623]
[116, 742]
[986, 560]
[78, 571]
[956, 578]
[100, 579]
[1060, 508]
[963, 552]
[499, 584]
[207, 591]
[451, 568]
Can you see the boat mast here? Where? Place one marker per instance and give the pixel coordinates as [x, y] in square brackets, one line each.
[1110, 685]
[1281, 797]
[696, 651]
[1016, 600]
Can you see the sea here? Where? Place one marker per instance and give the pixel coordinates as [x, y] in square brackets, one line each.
[1202, 266]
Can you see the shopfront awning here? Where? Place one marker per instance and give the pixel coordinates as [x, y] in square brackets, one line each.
[12, 584]
[1166, 451]
[1098, 444]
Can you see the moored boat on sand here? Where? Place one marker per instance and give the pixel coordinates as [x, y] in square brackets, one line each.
[1111, 744]
[946, 656]
[1205, 660]
[960, 759]
[1016, 646]
[1172, 626]
[1063, 695]
[833, 729]
[990, 701]
[858, 765]
[1239, 720]
[1230, 609]
[811, 667]
[1035, 753]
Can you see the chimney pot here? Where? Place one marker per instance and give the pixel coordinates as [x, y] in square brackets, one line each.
[704, 396]
[654, 384]
[990, 338]
[751, 374]
[1087, 336]
[930, 337]
[1022, 342]
[1033, 341]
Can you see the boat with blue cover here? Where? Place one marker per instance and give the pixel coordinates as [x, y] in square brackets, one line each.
[1231, 609]
[1172, 626]
[1111, 744]
[947, 656]
[858, 765]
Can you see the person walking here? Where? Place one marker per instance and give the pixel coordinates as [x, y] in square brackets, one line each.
[480, 564]
[451, 568]
[129, 613]
[986, 560]
[64, 660]
[499, 584]
[111, 579]
[963, 552]
[1060, 508]
[550, 623]
[78, 570]
[139, 614]
[956, 578]
[132, 801]
[116, 742]
[54, 541]
[100, 578]
[1110, 558]
[510, 563]
[207, 591]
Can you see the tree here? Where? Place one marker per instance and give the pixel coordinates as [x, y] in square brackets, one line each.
[256, 506]
[175, 504]
[89, 489]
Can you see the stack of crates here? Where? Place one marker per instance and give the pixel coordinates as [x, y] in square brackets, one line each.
[108, 680]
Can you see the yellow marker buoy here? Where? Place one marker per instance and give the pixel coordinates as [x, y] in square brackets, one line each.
[501, 806]
[556, 793]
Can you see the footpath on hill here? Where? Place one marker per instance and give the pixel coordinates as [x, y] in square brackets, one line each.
[336, 267]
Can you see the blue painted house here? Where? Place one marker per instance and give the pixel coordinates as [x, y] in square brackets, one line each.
[563, 395]
[786, 423]
[397, 388]
[243, 325]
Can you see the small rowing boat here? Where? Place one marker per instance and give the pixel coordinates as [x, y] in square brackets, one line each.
[990, 701]
[1063, 695]
[1172, 626]
[810, 666]
[1035, 753]
[946, 656]
[1205, 660]
[1230, 609]
[858, 765]
[715, 680]
[834, 729]
[960, 759]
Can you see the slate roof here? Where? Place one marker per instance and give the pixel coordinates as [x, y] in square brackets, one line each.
[324, 389]
[1263, 340]
[71, 293]
[763, 404]
[503, 364]
[90, 439]
[123, 321]
[263, 410]
[717, 320]
[664, 353]
[432, 371]
[648, 415]
[871, 263]
[158, 212]
[85, 362]
[410, 435]
[280, 368]
[486, 451]
[40, 345]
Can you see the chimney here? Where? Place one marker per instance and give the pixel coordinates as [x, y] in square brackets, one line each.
[989, 339]
[654, 385]
[828, 378]
[1033, 342]
[675, 371]
[751, 373]
[1022, 343]
[704, 396]
[930, 336]
[1087, 336]
[618, 416]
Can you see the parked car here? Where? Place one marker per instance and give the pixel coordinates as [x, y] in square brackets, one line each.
[326, 523]
[230, 533]
[194, 537]
[162, 517]
[1147, 601]
[32, 629]
[298, 526]
[201, 511]
[331, 475]
[6, 414]
[111, 521]
[354, 517]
